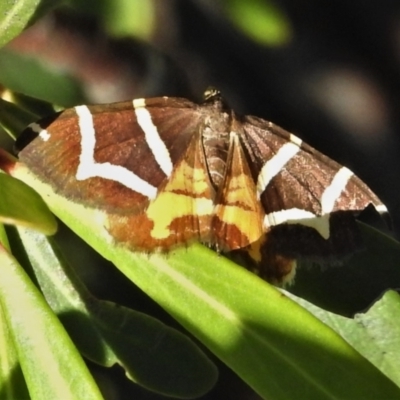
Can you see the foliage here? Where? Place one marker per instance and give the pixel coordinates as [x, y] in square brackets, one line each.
[281, 345]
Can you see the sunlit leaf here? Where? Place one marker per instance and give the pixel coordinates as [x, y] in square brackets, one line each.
[266, 338]
[153, 355]
[51, 365]
[20, 205]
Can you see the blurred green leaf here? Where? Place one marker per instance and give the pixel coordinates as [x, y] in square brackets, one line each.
[16, 15]
[261, 334]
[153, 355]
[129, 17]
[39, 80]
[20, 205]
[52, 367]
[261, 20]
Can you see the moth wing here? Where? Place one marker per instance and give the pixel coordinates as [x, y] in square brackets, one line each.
[238, 216]
[308, 199]
[298, 184]
[110, 157]
[180, 213]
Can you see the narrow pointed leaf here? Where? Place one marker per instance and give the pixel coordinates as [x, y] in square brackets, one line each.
[12, 383]
[20, 205]
[34, 106]
[272, 343]
[52, 367]
[153, 355]
[13, 118]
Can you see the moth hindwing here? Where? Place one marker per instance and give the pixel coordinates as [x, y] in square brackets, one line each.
[168, 172]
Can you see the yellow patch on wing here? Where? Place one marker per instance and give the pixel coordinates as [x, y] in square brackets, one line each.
[169, 206]
[188, 194]
[188, 178]
[254, 250]
[238, 214]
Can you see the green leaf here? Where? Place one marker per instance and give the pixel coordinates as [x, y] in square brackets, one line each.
[39, 80]
[275, 345]
[261, 20]
[129, 17]
[20, 205]
[38, 108]
[382, 330]
[374, 334]
[14, 118]
[12, 383]
[122, 17]
[52, 367]
[3, 238]
[153, 355]
[16, 15]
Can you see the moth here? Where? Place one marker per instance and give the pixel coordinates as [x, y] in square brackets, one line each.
[168, 172]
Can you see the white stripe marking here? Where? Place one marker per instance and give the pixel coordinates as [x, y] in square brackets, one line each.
[88, 168]
[153, 139]
[43, 133]
[334, 190]
[298, 216]
[381, 208]
[296, 140]
[138, 103]
[273, 166]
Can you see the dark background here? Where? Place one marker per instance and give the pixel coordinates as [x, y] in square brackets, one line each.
[331, 76]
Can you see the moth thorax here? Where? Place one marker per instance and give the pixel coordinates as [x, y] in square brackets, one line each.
[216, 145]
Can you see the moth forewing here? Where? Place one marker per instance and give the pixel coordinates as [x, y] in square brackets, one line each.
[167, 172]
